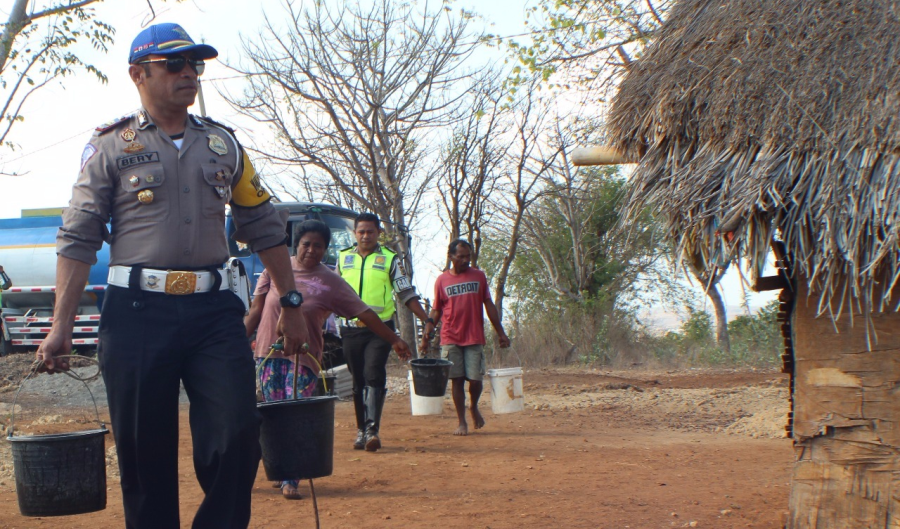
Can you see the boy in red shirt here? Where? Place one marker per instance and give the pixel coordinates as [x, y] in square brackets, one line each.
[459, 294]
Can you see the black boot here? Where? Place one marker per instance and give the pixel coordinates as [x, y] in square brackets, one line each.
[374, 399]
[360, 408]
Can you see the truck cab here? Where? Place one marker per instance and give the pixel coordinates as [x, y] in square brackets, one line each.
[339, 219]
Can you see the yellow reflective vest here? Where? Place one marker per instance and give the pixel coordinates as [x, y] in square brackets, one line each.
[370, 277]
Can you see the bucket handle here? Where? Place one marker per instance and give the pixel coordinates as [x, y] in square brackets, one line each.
[279, 346]
[34, 369]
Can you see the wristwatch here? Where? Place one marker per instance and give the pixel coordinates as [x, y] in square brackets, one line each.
[292, 299]
[430, 320]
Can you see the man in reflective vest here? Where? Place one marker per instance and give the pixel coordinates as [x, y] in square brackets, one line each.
[376, 274]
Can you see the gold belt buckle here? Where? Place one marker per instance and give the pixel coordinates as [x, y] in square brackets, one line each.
[180, 283]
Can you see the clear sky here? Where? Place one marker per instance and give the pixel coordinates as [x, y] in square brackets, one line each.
[60, 118]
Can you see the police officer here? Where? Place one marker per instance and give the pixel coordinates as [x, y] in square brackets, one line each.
[161, 178]
[376, 274]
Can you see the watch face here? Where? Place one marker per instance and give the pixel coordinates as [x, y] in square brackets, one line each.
[295, 298]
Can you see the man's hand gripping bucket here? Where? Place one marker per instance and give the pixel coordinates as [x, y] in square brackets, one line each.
[60, 474]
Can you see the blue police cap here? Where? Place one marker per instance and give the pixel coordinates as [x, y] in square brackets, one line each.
[167, 39]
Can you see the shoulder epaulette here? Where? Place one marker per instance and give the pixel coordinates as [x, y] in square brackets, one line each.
[106, 127]
[347, 248]
[207, 119]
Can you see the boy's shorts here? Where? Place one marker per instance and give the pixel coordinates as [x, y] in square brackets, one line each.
[468, 360]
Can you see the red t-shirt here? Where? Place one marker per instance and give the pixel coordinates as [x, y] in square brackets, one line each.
[460, 298]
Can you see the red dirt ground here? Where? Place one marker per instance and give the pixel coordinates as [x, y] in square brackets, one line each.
[593, 467]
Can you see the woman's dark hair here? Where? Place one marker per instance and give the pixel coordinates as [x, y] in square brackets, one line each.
[451, 250]
[367, 217]
[315, 226]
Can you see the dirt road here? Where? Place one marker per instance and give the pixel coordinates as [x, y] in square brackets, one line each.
[593, 449]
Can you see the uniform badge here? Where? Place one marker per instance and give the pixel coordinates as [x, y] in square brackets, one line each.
[145, 196]
[379, 260]
[134, 180]
[151, 179]
[220, 175]
[128, 135]
[221, 190]
[348, 261]
[134, 147]
[152, 281]
[217, 145]
[142, 119]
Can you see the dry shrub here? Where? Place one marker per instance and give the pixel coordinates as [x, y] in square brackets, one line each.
[577, 335]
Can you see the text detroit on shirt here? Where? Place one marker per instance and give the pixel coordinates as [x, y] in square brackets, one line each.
[462, 288]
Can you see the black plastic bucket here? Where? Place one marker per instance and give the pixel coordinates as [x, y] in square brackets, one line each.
[297, 438]
[430, 376]
[60, 474]
[329, 381]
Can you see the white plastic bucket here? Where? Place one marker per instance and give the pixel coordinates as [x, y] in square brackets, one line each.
[424, 405]
[506, 390]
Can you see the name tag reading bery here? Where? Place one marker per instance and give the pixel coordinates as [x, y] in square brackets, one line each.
[137, 159]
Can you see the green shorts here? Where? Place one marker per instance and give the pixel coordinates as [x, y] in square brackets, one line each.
[468, 360]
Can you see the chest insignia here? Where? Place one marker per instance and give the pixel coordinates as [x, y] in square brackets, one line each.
[134, 180]
[145, 196]
[348, 261]
[152, 281]
[220, 175]
[134, 147]
[221, 190]
[128, 135]
[217, 145]
[150, 179]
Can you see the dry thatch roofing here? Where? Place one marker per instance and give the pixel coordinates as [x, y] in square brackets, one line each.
[762, 118]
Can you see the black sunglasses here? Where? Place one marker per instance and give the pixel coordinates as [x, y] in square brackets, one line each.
[176, 64]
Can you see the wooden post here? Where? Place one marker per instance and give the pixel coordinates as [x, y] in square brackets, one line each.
[846, 420]
[597, 156]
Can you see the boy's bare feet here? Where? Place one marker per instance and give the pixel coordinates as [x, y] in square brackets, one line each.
[462, 429]
[477, 418]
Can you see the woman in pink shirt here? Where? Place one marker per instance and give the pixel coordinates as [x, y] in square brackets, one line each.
[323, 292]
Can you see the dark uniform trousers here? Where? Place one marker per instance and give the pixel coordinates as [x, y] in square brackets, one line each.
[367, 355]
[148, 343]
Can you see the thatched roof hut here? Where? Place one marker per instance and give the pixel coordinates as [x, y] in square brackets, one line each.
[761, 119]
[754, 118]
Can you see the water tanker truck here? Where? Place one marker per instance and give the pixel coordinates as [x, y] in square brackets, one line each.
[28, 255]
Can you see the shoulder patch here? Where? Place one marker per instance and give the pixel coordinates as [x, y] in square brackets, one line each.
[109, 125]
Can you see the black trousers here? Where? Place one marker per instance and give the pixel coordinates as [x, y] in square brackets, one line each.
[149, 342]
[367, 355]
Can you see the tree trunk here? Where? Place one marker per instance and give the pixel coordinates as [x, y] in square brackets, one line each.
[17, 20]
[722, 339]
[846, 419]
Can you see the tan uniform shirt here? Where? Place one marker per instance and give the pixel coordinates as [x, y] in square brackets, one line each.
[166, 205]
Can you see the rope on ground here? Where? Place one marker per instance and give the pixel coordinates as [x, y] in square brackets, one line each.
[312, 494]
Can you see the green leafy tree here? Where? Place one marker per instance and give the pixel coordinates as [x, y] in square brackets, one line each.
[37, 44]
[587, 41]
[36, 48]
